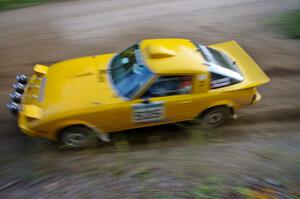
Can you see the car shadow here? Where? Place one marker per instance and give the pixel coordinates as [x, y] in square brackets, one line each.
[170, 134]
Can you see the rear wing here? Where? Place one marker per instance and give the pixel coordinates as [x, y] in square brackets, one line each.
[252, 73]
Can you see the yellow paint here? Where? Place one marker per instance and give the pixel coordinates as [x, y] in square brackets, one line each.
[155, 51]
[252, 73]
[41, 69]
[184, 57]
[79, 91]
[32, 111]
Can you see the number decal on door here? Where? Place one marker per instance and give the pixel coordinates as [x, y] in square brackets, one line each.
[151, 112]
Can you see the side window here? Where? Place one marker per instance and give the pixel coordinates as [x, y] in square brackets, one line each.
[170, 85]
[218, 81]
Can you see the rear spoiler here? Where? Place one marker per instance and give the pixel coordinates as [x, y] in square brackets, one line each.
[252, 73]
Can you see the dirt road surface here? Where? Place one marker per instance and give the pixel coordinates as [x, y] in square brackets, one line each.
[172, 161]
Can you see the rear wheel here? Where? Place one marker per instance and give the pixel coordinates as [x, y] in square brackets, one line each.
[215, 117]
[77, 136]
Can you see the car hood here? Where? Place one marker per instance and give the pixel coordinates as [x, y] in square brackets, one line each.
[78, 84]
[252, 73]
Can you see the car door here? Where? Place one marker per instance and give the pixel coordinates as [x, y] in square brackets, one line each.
[169, 99]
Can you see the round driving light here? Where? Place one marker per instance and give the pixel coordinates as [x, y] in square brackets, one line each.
[13, 107]
[19, 87]
[16, 97]
[22, 79]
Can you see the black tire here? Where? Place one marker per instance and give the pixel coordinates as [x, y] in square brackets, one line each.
[77, 136]
[215, 117]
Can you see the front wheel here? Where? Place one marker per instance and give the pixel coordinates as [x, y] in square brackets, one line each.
[215, 117]
[76, 136]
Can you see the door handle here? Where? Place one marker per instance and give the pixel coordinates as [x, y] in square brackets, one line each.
[185, 102]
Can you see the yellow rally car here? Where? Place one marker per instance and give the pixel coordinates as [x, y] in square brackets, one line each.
[156, 81]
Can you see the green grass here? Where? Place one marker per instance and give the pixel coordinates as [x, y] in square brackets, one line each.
[13, 4]
[143, 174]
[210, 189]
[207, 191]
[289, 23]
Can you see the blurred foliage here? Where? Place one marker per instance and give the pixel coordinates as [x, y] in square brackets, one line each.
[210, 189]
[207, 191]
[289, 22]
[143, 174]
[13, 4]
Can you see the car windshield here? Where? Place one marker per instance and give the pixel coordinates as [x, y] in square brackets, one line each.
[128, 73]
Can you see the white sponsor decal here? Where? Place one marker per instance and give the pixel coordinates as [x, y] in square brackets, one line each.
[151, 112]
[202, 77]
[221, 84]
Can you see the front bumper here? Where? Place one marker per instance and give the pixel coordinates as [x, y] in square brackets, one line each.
[27, 126]
[24, 126]
[24, 103]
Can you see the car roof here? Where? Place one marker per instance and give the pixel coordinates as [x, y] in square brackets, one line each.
[172, 56]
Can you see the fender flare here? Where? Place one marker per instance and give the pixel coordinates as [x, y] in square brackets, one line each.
[99, 133]
[226, 103]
